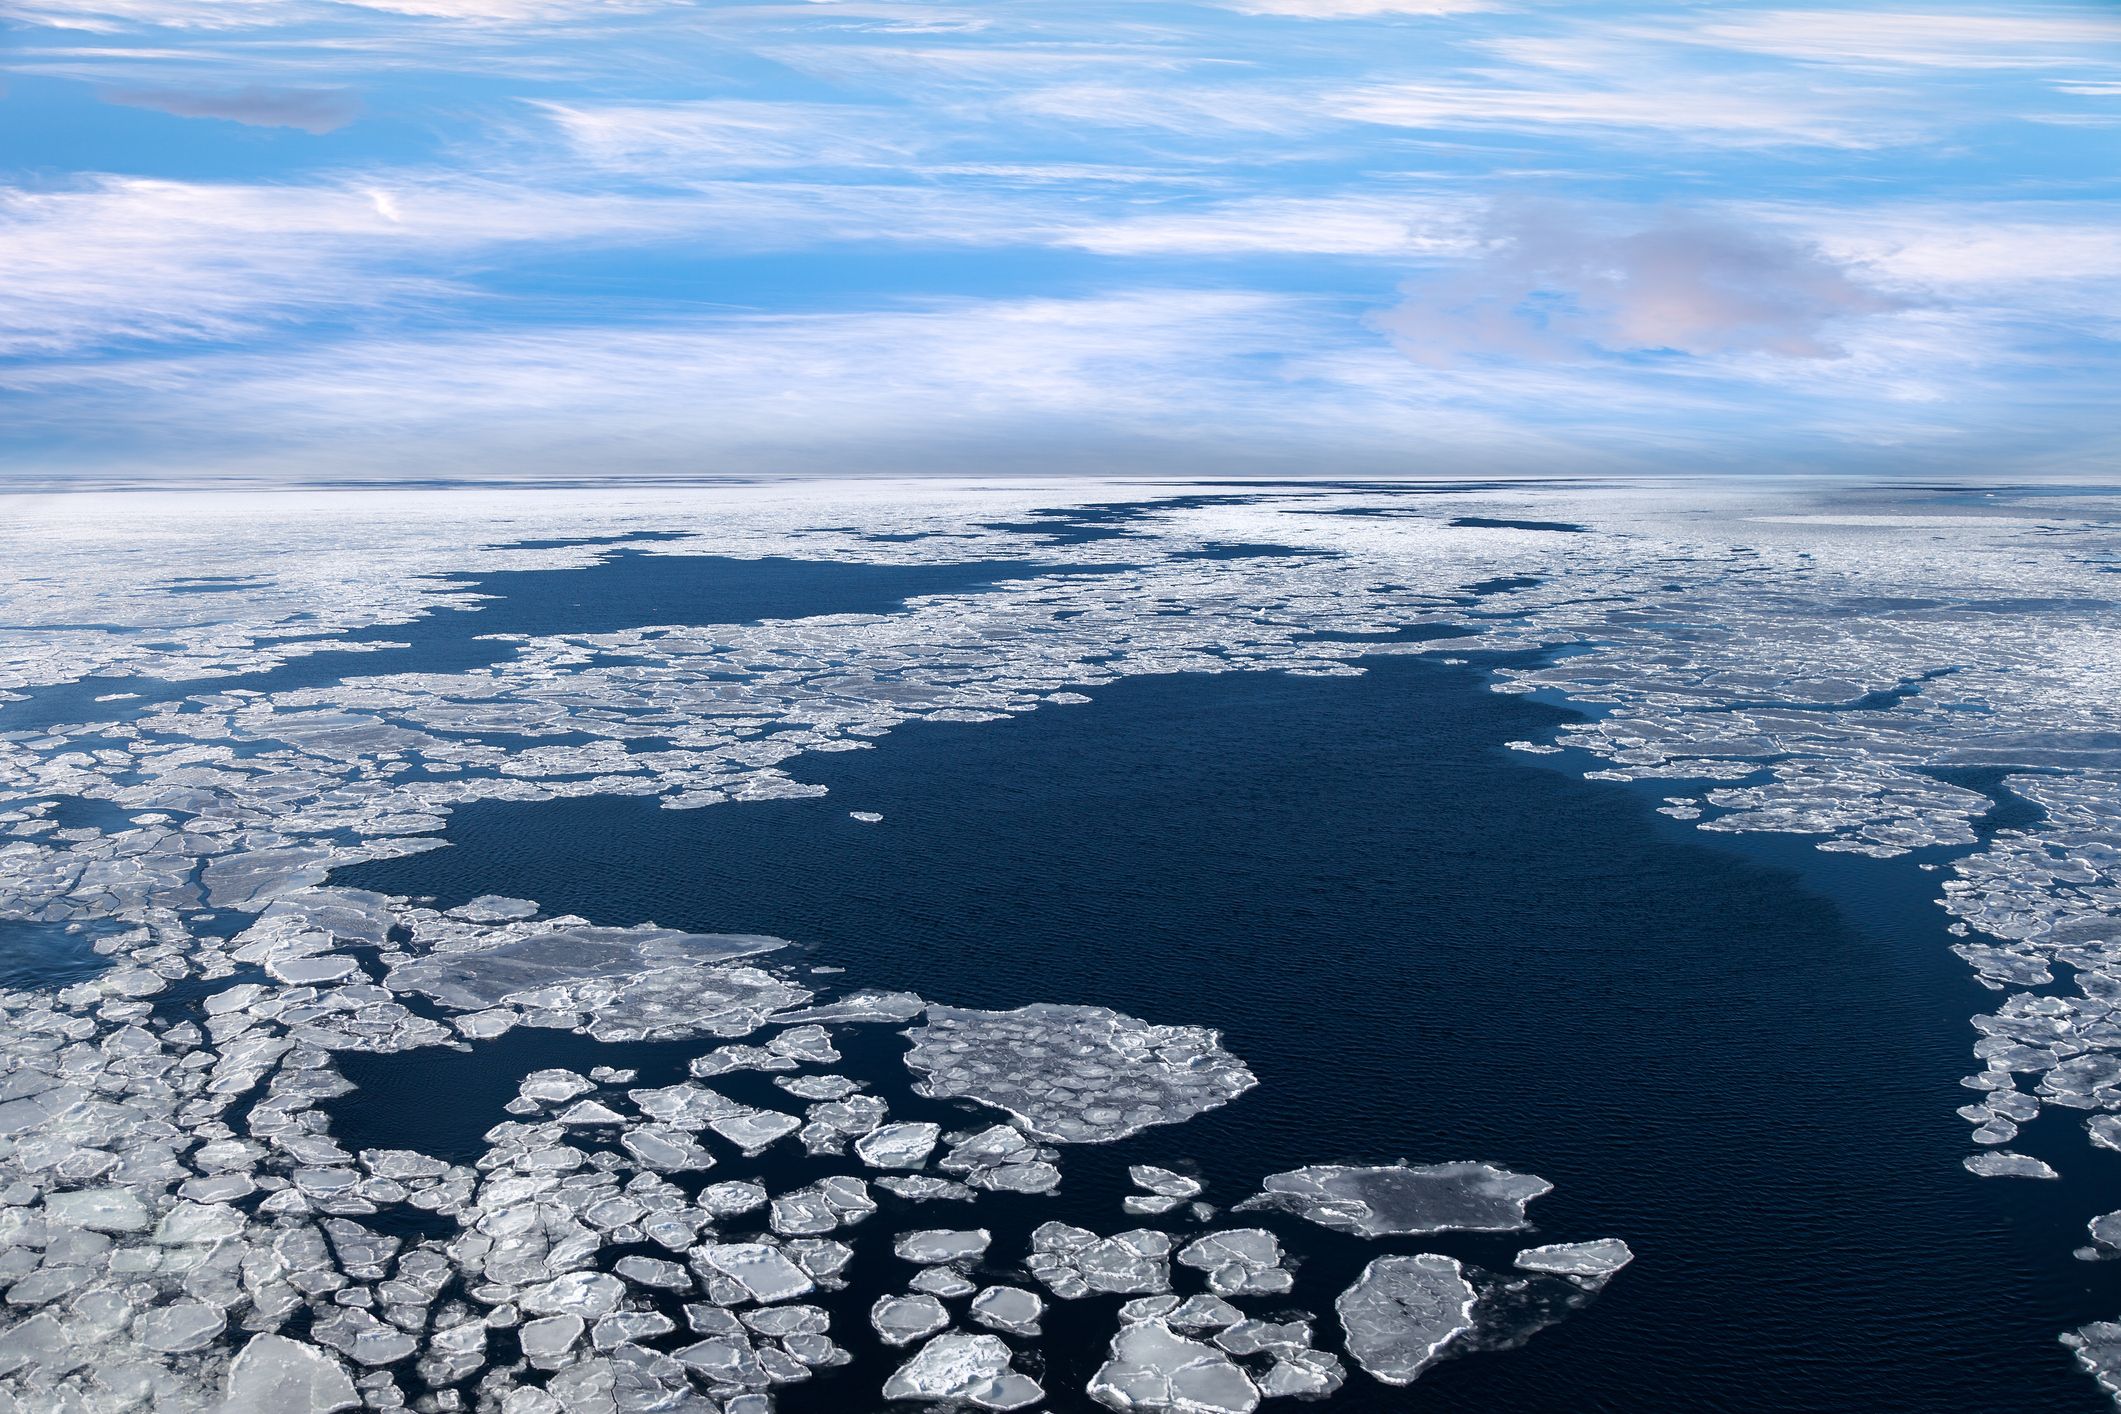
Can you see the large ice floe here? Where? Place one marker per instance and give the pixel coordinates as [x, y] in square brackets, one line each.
[1401, 1199]
[180, 1229]
[1075, 1074]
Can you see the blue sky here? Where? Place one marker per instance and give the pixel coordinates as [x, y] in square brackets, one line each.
[317, 239]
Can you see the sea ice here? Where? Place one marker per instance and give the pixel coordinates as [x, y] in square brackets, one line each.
[957, 1367]
[1403, 1198]
[1402, 1312]
[934, 1245]
[2001, 1163]
[1152, 1367]
[275, 1375]
[1075, 1074]
[1594, 1261]
[898, 1146]
[901, 1320]
[1008, 1308]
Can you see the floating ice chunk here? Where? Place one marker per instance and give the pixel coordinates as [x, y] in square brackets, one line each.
[898, 1146]
[1305, 1374]
[1147, 1205]
[180, 1326]
[1073, 1262]
[473, 979]
[946, 1282]
[494, 908]
[1266, 1337]
[1593, 1261]
[1200, 1313]
[2098, 1349]
[553, 1086]
[275, 1375]
[901, 1320]
[960, 1367]
[1402, 1312]
[1075, 1074]
[1163, 1182]
[2105, 1130]
[362, 1338]
[586, 1294]
[862, 1006]
[548, 1338]
[867, 817]
[1245, 1261]
[755, 1130]
[99, 1209]
[1152, 1367]
[1404, 1199]
[2002, 1163]
[731, 1197]
[925, 1188]
[935, 1245]
[1008, 1308]
[764, 1272]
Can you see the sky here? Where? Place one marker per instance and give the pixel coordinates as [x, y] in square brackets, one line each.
[350, 240]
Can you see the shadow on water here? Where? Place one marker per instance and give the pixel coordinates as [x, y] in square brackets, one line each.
[1740, 1055]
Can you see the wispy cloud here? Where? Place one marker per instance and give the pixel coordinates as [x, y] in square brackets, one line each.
[663, 139]
[108, 16]
[1357, 9]
[2014, 37]
[313, 110]
[1646, 105]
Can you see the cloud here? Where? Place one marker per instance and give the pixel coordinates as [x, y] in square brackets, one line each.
[1355, 9]
[1564, 282]
[313, 110]
[106, 16]
[661, 139]
[1634, 96]
[1333, 225]
[2021, 38]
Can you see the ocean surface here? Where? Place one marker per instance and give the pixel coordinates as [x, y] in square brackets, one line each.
[1430, 934]
[1737, 1053]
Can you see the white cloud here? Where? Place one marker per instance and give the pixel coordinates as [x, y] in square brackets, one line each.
[2010, 38]
[1332, 225]
[1356, 9]
[663, 139]
[107, 16]
[1641, 101]
[1197, 110]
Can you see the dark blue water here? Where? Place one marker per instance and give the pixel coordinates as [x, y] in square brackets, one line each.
[1739, 1054]
[1504, 523]
[47, 954]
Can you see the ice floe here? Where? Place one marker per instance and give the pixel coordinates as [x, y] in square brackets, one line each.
[1403, 1198]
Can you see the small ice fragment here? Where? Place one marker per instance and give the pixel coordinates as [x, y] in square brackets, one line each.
[901, 1320]
[1595, 1260]
[935, 1245]
[2002, 1163]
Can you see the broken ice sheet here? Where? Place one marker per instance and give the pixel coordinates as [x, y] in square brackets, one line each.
[1402, 1312]
[1075, 1074]
[1403, 1198]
